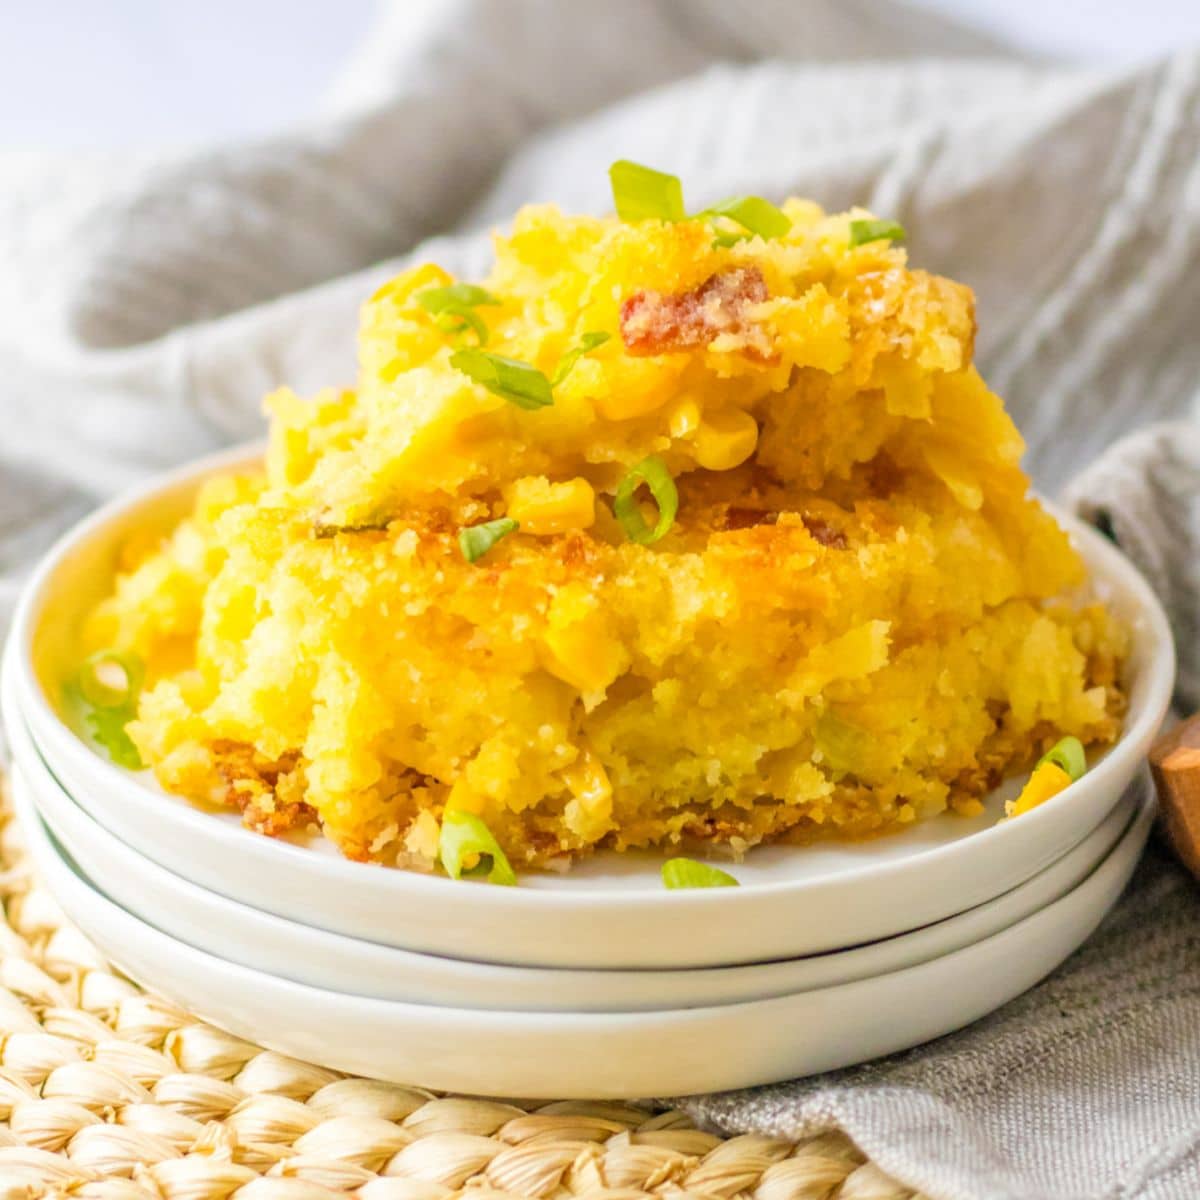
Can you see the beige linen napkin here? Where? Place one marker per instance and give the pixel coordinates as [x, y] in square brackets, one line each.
[148, 302]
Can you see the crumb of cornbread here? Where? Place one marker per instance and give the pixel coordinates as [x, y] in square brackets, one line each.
[859, 619]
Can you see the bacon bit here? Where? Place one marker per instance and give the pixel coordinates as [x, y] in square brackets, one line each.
[748, 518]
[883, 475]
[652, 323]
[825, 533]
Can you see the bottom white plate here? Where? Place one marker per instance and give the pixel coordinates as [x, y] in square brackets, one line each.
[595, 1055]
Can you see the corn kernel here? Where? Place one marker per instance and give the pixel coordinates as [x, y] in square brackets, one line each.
[725, 439]
[588, 782]
[543, 507]
[950, 468]
[589, 812]
[578, 646]
[639, 388]
[464, 797]
[1046, 781]
[684, 418]
[580, 656]
[907, 391]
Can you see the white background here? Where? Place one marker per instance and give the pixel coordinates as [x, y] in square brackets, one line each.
[104, 74]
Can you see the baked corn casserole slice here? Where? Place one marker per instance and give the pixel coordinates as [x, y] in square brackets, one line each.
[672, 531]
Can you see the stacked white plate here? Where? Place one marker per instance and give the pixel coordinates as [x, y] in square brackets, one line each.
[597, 983]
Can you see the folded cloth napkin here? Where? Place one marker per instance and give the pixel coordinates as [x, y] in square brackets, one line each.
[147, 302]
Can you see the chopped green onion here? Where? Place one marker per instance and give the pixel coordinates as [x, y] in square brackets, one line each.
[843, 746]
[1069, 755]
[642, 193]
[107, 726]
[722, 241]
[453, 307]
[476, 540]
[653, 473]
[436, 299]
[106, 689]
[862, 232]
[587, 343]
[518, 382]
[688, 873]
[466, 847]
[109, 679]
[459, 319]
[323, 528]
[754, 213]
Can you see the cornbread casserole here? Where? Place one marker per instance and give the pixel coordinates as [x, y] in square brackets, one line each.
[661, 535]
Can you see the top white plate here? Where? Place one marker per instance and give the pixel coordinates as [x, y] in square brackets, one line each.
[610, 911]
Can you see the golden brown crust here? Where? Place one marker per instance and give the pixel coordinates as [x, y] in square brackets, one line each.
[257, 787]
[898, 309]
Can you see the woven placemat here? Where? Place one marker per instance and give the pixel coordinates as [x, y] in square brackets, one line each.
[108, 1092]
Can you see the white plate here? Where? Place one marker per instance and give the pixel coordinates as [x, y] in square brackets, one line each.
[595, 1055]
[328, 960]
[611, 911]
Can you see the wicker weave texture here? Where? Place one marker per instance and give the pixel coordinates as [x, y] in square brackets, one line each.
[110, 1093]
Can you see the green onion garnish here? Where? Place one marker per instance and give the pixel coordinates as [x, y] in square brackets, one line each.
[107, 726]
[464, 836]
[476, 540]
[722, 241]
[862, 232]
[454, 306]
[435, 299]
[110, 680]
[107, 687]
[516, 381]
[753, 213]
[653, 473]
[688, 873]
[642, 193]
[1069, 755]
[458, 320]
[587, 343]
